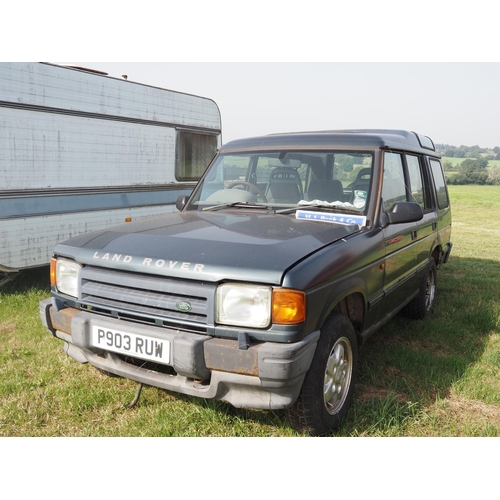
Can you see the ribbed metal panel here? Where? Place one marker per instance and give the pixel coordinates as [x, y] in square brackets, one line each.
[66, 130]
[57, 87]
[44, 150]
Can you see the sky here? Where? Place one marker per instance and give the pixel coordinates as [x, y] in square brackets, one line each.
[453, 103]
[275, 66]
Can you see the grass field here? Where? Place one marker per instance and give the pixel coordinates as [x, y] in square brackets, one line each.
[457, 161]
[439, 377]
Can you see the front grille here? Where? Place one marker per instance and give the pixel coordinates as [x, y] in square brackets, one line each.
[154, 300]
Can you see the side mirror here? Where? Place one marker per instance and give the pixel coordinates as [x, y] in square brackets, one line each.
[181, 202]
[402, 212]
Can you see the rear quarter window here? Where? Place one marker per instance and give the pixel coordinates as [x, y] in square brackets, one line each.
[440, 183]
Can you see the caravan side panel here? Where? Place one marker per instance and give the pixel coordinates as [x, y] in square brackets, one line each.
[31, 240]
[80, 151]
[56, 87]
[46, 151]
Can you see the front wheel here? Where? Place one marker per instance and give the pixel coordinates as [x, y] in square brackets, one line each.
[327, 391]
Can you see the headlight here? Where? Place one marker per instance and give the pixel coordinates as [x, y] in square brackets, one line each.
[256, 306]
[65, 276]
[244, 305]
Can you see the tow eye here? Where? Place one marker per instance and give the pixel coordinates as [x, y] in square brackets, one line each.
[137, 396]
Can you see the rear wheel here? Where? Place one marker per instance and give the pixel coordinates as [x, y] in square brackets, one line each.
[423, 304]
[327, 391]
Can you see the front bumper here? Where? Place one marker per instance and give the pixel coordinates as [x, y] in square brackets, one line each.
[265, 375]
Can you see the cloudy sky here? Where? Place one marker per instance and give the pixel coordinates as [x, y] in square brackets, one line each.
[453, 103]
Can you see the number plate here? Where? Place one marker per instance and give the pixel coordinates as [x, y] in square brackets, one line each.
[137, 346]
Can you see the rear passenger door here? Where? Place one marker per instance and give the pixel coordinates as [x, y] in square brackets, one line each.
[421, 193]
[442, 203]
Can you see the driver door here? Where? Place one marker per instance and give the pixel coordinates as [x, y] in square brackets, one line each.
[401, 247]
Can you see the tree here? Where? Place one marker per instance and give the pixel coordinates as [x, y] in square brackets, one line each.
[474, 163]
[471, 172]
[494, 175]
[447, 165]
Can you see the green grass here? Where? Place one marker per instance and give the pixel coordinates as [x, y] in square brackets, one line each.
[439, 377]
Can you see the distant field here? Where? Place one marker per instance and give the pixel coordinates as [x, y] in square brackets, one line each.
[438, 377]
[457, 161]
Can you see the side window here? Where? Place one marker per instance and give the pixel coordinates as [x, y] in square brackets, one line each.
[193, 153]
[440, 183]
[393, 188]
[416, 182]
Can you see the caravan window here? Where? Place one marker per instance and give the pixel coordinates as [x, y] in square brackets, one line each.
[194, 153]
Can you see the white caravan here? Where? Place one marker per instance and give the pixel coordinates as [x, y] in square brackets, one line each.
[80, 151]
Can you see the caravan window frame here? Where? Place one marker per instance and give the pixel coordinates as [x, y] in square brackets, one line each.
[190, 164]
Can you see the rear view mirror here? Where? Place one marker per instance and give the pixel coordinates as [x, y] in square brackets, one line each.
[405, 212]
[181, 202]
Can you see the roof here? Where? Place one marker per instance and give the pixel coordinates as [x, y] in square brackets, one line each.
[379, 138]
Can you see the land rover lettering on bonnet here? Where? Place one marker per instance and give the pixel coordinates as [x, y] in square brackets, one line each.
[292, 250]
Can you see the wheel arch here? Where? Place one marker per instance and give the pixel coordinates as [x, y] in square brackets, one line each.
[352, 303]
[437, 254]
[353, 306]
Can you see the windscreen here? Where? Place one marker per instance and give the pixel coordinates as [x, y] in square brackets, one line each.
[287, 178]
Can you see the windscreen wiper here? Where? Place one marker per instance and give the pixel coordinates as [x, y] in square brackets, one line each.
[250, 204]
[325, 205]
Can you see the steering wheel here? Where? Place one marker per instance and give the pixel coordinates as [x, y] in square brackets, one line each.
[251, 187]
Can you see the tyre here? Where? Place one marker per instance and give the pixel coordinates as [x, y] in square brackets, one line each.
[327, 391]
[423, 304]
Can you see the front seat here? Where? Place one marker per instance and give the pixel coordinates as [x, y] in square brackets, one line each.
[362, 181]
[284, 186]
[326, 190]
